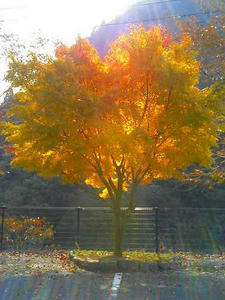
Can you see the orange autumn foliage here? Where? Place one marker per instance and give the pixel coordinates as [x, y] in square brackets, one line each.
[9, 149]
[129, 118]
[27, 232]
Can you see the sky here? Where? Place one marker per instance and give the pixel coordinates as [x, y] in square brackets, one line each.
[60, 20]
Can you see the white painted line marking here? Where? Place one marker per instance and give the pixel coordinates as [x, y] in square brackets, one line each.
[115, 286]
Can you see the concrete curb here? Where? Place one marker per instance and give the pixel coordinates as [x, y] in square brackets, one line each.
[119, 265]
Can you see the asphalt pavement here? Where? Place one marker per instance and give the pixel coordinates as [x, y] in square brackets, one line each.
[172, 286]
[84, 285]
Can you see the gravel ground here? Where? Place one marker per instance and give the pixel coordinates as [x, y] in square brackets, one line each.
[49, 276]
[19, 264]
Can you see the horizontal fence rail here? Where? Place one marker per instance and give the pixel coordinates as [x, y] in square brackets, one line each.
[148, 228]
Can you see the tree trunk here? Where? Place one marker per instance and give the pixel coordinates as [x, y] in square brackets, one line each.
[118, 231]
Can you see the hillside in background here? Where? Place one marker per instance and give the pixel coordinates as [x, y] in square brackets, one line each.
[146, 14]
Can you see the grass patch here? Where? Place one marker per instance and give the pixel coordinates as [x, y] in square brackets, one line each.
[148, 256]
[141, 256]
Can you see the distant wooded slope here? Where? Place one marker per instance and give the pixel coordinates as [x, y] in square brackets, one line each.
[156, 13]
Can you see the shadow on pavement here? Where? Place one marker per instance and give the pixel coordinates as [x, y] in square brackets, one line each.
[172, 286]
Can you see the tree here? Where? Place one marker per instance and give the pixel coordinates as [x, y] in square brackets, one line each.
[209, 41]
[21, 188]
[212, 4]
[113, 123]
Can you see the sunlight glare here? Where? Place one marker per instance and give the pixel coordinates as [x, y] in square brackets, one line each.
[64, 20]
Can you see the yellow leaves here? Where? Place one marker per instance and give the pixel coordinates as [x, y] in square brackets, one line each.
[123, 57]
[134, 114]
[94, 181]
[48, 153]
[104, 194]
[139, 51]
[180, 64]
[2, 172]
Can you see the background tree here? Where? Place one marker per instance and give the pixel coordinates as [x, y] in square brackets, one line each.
[131, 118]
[218, 5]
[208, 39]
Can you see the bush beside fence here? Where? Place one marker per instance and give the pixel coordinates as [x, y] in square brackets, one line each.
[26, 233]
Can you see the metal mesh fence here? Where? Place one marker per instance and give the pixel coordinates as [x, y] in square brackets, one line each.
[150, 229]
[190, 229]
[96, 229]
[62, 220]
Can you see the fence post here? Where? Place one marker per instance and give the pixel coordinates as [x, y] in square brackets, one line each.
[156, 229]
[2, 227]
[78, 225]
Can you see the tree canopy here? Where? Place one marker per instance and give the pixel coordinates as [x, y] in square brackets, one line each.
[132, 117]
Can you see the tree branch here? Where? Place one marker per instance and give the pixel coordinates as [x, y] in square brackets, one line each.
[146, 99]
[168, 99]
[92, 193]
